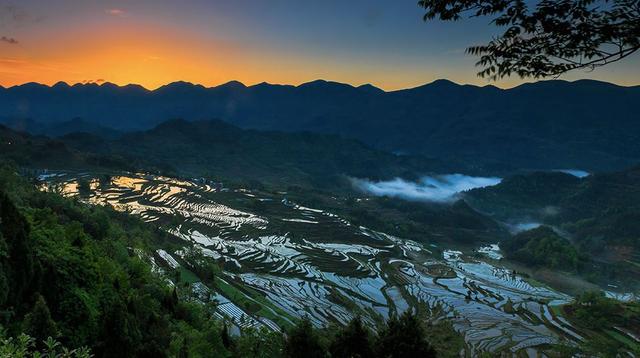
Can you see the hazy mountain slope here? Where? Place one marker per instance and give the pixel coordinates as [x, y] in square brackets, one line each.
[527, 195]
[57, 129]
[41, 152]
[572, 198]
[545, 125]
[28, 150]
[218, 149]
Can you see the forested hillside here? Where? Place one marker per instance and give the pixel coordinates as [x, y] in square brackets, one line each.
[598, 214]
[69, 271]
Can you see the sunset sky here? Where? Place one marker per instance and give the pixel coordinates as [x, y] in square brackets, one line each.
[155, 42]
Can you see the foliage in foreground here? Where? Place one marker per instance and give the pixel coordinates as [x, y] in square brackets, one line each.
[404, 336]
[550, 37]
[67, 272]
[25, 346]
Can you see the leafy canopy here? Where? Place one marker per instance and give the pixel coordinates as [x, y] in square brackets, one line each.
[548, 37]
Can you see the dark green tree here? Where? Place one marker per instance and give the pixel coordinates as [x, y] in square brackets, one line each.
[4, 270]
[84, 187]
[303, 342]
[594, 310]
[258, 343]
[170, 300]
[38, 323]
[542, 246]
[403, 338]
[184, 349]
[17, 267]
[547, 37]
[226, 338]
[352, 341]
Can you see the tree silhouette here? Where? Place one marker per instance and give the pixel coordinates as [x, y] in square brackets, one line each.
[547, 37]
[352, 341]
[16, 256]
[39, 323]
[404, 337]
[224, 334]
[303, 342]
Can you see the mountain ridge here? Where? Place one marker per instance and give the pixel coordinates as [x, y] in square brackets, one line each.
[237, 82]
[541, 125]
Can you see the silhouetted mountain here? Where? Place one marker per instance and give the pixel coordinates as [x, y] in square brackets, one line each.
[584, 124]
[371, 89]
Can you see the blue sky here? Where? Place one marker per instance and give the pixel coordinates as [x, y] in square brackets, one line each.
[281, 41]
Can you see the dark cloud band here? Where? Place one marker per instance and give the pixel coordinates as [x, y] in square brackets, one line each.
[9, 40]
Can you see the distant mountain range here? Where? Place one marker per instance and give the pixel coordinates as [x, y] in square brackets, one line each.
[544, 125]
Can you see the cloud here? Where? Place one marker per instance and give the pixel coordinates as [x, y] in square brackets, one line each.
[117, 12]
[9, 40]
[441, 188]
[550, 211]
[575, 172]
[13, 17]
[98, 81]
[523, 226]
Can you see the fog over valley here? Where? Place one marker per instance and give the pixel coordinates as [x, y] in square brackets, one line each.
[440, 188]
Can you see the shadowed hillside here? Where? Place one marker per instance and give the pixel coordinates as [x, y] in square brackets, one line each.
[599, 213]
[216, 148]
[543, 125]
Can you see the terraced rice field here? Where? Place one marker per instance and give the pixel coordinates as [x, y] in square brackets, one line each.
[291, 261]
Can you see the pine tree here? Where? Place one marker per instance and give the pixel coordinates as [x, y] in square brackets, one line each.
[226, 339]
[39, 323]
[16, 256]
[4, 280]
[352, 341]
[404, 338]
[184, 349]
[303, 342]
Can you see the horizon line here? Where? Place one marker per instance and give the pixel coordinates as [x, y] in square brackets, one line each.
[440, 80]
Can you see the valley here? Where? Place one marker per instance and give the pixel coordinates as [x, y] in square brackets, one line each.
[287, 261]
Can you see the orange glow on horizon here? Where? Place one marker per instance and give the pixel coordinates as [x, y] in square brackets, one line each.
[153, 55]
[147, 56]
